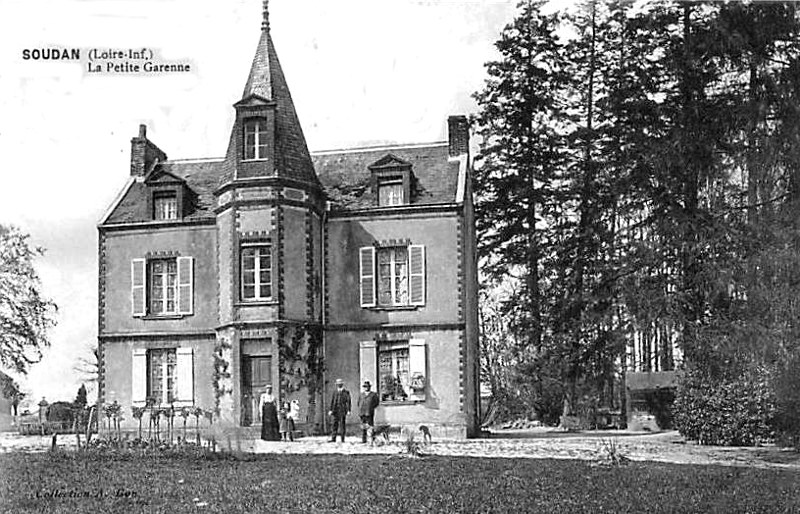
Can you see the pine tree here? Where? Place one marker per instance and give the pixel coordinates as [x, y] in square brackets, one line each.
[520, 155]
[638, 185]
[80, 399]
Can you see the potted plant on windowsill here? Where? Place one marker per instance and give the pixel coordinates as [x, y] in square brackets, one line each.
[417, 382]
[387, 388]
[392, 388]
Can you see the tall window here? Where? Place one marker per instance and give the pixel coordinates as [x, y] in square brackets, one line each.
[393, 370]
[163, 376]
[165, 206]
[390, 191]
[161, 379]
[255, 139]
[163, 286]
[393, 276]
[256, 272]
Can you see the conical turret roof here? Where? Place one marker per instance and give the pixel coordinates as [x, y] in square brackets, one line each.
[267, 82]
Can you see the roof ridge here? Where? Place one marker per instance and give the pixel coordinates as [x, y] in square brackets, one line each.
[357, 149]
[353, 149]
[195, 159]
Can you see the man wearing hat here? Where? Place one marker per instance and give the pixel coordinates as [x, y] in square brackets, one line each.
[340, 408]
[367, 402]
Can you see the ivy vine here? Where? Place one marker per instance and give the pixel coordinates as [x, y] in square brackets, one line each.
[301, 360]
[221, 371]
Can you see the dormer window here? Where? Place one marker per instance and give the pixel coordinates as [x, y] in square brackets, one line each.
[165, 206]
[255, 139]
[391, 181]
[167, 195]
[390, 191]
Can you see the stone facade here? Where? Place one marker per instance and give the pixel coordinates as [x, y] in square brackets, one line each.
[273, 265]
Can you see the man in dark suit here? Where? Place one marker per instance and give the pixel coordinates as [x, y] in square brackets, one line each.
[367, 402]
[340, 408]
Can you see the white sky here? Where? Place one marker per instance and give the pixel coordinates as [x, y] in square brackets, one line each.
[360, 72]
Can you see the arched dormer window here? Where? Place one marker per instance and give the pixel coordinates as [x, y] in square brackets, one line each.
[255, 139]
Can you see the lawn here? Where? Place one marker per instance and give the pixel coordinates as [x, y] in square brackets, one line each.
[73, 483]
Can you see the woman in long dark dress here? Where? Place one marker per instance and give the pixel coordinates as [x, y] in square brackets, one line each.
[269, 416]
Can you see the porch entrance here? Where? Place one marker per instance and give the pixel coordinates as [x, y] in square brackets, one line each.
[256, 374]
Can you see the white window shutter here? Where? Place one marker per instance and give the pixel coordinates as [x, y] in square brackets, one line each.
[416, 365]
[367, 275]
[139, 377]
[185, 374]
[416, 257]
[185, 285]
[416, 356]
[138, 287]
[368, 359]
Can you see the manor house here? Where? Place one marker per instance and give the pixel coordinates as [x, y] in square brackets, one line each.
[274, 265]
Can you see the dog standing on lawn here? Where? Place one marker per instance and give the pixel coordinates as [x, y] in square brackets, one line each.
[367, 403]
[383, 431]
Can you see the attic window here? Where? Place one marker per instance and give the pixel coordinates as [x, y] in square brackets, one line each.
[165, 205]
[391, 181]
[255, 139]
[390, 190]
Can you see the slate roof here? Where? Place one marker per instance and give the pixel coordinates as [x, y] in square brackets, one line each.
[344, 174]
[202, 178]
[346, 177]
[267, 82]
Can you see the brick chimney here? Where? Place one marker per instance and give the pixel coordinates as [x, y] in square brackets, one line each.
[458, 135]
[144, 153]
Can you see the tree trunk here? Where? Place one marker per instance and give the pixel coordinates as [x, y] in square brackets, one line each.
[692, 306]
[584, 251]
[89, 426]
[77, 431]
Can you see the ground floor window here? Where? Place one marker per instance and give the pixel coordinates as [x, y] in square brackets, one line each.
[393, 370]
[161, 379]
[163, 376]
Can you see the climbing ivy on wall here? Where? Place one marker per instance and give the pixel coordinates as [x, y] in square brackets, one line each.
[301, 360]
[222, 375]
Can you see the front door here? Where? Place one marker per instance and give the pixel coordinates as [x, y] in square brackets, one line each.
[256, 374]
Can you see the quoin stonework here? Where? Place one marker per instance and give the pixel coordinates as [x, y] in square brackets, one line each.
[277, 266]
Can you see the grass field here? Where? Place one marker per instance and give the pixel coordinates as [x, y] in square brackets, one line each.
[77, 483]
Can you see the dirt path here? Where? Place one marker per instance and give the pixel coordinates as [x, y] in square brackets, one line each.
[662, 447]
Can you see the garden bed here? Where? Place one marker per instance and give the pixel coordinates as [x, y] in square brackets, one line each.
[76, 483]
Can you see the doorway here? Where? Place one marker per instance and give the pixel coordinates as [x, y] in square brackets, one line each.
[256, 374]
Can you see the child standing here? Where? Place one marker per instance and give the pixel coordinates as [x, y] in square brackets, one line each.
[283, 420]
[294, 417]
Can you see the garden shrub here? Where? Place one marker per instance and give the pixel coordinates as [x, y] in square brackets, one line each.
[787, 393]
[728, 411]
[62, 412]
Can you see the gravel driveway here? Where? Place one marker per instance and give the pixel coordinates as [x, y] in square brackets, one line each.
[534, 444]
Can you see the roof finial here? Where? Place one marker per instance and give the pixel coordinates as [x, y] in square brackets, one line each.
[265, 21]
